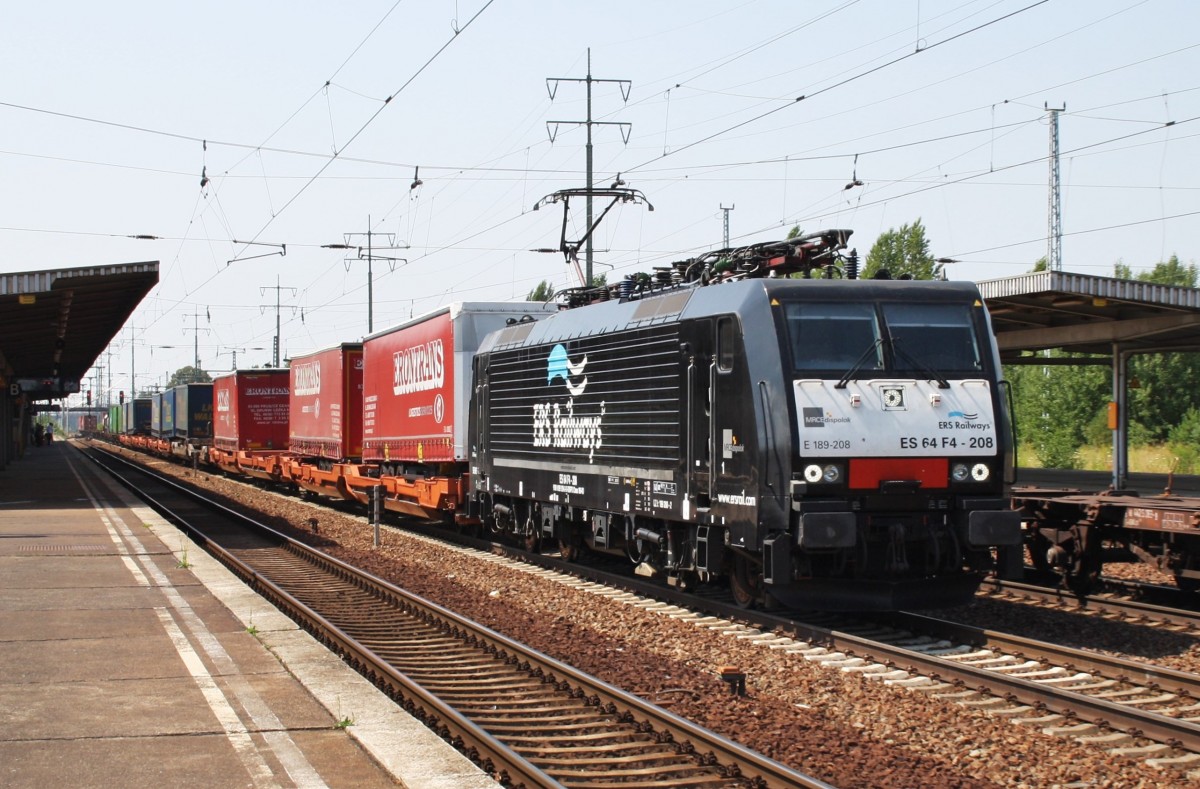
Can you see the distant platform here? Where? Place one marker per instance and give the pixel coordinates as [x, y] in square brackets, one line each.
[1097, 481]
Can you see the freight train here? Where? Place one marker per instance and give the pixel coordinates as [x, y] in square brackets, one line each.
[756, 416]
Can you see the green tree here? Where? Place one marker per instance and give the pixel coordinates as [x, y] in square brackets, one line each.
[1054, 405]
[1172, 272]
[189, 375]
[903, 252]
[1162, 385]
[1185, 441]
[1162, 390]
[543, 292]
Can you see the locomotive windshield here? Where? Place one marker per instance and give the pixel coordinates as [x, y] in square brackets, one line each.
[834, 336]
[938, 336]
[908, 338]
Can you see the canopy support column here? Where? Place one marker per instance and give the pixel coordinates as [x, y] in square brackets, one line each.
[1120, 394]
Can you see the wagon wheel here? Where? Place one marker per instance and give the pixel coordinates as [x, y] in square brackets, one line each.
[1187, 583]
[746, 583]
[1038, 547]
[532, 542]
[1084, 576]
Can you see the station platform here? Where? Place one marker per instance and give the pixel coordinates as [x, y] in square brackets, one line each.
[129, 657]
[1146, 484]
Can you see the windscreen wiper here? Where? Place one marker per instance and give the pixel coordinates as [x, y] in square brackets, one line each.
[933, 376]
[858, 364]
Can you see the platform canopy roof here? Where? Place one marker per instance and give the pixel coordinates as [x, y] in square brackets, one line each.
[54, 324]
[1084, 314]
[1081, 313]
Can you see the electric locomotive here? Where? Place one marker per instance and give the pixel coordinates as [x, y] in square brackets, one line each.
[819, 441]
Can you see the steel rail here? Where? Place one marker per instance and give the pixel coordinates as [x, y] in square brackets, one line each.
[1129, 609]
[1173, 731]
[1154, 677]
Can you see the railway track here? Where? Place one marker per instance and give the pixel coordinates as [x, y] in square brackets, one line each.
[526, 718]
[1127, 609]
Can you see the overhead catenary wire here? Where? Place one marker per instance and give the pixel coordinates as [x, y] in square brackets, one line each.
[420, 70]
[838, 84]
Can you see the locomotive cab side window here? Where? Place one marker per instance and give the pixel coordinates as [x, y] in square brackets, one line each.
[833, 336]
[726, 344]
[939, 336]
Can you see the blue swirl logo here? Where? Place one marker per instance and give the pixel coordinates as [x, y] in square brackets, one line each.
[560, 365]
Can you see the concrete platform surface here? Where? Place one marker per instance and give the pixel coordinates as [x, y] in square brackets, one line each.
[129, 657]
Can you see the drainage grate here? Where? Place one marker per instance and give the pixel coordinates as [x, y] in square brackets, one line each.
[42, 548]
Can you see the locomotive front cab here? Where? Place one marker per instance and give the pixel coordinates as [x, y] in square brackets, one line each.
[901, 447]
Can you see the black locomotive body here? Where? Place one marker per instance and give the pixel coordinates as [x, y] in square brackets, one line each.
[829, 443]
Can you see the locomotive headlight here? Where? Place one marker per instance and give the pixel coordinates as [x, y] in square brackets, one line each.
[960, 472]
[980, 472]
[829, 474]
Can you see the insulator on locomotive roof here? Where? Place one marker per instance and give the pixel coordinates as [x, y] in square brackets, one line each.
[626, 287]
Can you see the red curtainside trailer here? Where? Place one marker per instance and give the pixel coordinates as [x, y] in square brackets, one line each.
[250, 422]
[416, 396]
[326, 418]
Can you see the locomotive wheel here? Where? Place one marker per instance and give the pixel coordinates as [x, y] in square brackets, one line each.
[1187, 584]
[569, 551]
[746, 583]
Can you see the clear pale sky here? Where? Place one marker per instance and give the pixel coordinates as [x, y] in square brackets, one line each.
[202, 124]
